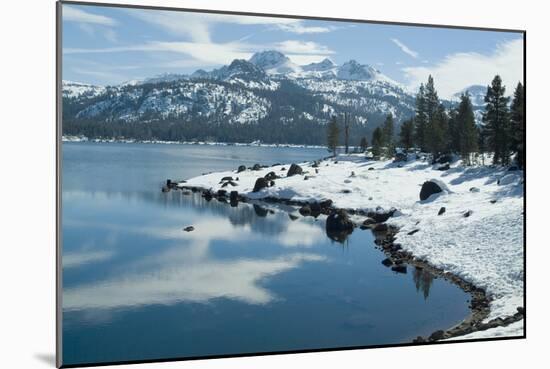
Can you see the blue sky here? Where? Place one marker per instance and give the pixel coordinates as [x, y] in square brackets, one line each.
[104, 45]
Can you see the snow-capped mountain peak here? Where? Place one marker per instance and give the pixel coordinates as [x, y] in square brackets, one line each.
[324, 65]
[476, 92]
[274, 62]
[353, 70]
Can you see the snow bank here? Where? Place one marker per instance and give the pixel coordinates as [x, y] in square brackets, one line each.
[479, 237]
[512, 330]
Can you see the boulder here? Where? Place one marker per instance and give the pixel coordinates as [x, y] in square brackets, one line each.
[380, 227]
[474, 189]
[400, 157]
[444, 159]
[444, 167]
[207, 195]
[315, 209]
[428, 189]
[441, 211]
[225, 184]
[305, 210]
[413, 232]
[228, 178]
[271, 176]
[234, 196]
[387, 262]
[189, 229]
[260, 184]
[222, 193]
[256, 167]
[381, 216]
[325, 204]
[437, 335]
[241, 168]
[293, 170]
[468, 213]
[339, 221]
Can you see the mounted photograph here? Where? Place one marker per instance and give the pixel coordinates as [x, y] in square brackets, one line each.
[238, 184]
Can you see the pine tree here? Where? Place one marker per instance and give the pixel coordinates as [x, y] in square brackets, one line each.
[517, 123]
[363, 144]
[332, 135]
[346, 131]
[497, 122]
[387, 136]
[437, 134]
[466, 130]
[406, 134]
[420, 119]
[377, 142]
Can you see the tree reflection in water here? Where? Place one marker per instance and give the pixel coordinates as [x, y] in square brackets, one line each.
[423, 281]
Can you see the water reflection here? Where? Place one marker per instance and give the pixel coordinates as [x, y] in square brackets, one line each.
[423, 281]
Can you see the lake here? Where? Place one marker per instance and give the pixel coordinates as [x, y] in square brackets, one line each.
[251, 278]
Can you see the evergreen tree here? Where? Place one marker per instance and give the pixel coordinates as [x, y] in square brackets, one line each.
[387, 136]
[363, 144]
[332, 135]
[437, 134]
[497, 122]
[420, 119]
[346, 131]
[466, 130]
[517, 123]
[406, 134]
[377, 142]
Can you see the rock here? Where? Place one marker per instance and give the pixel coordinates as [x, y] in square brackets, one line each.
[380, 227]
[468, 213]
[441, 211]
[305, 210]
[413, 232]
[241, 168]
[339, 221]
[444, 159]
[352, 174]
[222, 193]
[229, 183]
[293, 170]
[399, 269]
[493, 201]
[271, 176]
[165, 189]
[346, 191]
[325, 204]
[371, 168]
[437, 335]
[520, 310]
[189, 229]
[185, 192]
[315, 164]
[428, 189]
[444, 167]
[283, 168]
[207, 195]
[292, 217]
[260, 184]
[419, 339]
[387, 262]
[369, 222]
[256, 167]
[315, 209]
[228, 178]
[381, 216]
[474, 189]
[513, 168]
[400, 157]
[316, 171]
[276, 164]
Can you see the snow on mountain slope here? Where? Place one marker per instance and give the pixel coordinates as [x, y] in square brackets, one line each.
[76, 89]
[274, 62]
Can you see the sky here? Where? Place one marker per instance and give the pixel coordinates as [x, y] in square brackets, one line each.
[108, 46]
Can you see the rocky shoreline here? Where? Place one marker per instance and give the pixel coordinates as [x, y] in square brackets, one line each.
[339, 226]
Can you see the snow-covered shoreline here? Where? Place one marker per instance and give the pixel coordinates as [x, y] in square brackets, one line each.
[68, 138]
[484, 248]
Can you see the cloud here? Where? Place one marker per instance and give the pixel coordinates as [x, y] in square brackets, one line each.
[405, 49]
[460, 70]
[302, 47]
[72, 14]
[74, 259]
[299, 28]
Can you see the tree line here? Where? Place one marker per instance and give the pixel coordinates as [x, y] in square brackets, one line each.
[438, 130]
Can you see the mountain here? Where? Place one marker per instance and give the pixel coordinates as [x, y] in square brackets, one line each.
[477, 94]
[267, 97]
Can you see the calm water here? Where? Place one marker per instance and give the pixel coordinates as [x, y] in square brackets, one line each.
[248, 279]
